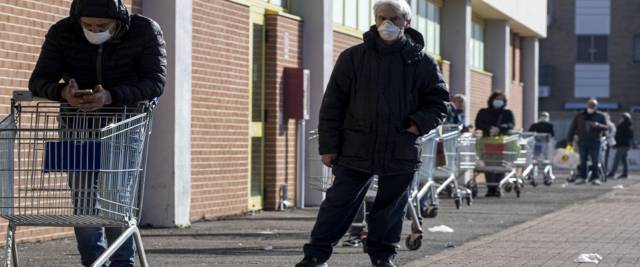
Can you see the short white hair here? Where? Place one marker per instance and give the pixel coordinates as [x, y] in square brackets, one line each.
[400, 5]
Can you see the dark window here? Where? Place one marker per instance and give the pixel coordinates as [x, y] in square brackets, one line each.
[636, 48]
[592, 48]
[546, 75]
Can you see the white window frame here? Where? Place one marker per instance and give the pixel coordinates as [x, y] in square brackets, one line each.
[428, 23]
[477, 43]
[341, 18]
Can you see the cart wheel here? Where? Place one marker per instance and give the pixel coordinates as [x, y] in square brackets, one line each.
[458, 202]
[547, 180]
[414, 228]
[365, 249]
[414, 244]
[508, 188]
[430, 212]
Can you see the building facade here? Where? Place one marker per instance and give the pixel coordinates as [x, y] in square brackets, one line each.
[223, 143]
[592, 51]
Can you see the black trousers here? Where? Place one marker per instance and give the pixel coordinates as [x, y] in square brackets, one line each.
[342, 202]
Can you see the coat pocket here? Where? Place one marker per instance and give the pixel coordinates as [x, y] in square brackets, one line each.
[356, 144]
[406, 147]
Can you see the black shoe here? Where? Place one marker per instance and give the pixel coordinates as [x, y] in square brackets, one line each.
[610, 175]
[624, 176]
[493, 192]
[383, 263]
[311, 262]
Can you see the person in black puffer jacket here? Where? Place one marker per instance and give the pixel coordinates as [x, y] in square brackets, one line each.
[383, 94]
[104, 57]
[496, 119]
[624, 142]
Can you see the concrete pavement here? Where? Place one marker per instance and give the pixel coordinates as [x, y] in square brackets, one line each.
[608, 226]
[276, 238]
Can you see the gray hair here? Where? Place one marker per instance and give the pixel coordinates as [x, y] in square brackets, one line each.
[400, 5]
[460, 96]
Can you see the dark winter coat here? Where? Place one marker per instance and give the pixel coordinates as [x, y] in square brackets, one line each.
[582, 126]
[374, 94]
[624, 134]
[542, 127]
[132, 65]
[492, 117]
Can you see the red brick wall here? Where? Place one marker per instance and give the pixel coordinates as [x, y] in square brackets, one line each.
[280, 143]
[516, 104]
[445, 68]
[480, 92]
[220, 111]
[23, 25]
[342, 41]
[516, 90]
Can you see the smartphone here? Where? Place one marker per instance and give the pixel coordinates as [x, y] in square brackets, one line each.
[83, 92]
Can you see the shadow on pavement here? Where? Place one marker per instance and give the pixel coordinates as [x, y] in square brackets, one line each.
[245, 251]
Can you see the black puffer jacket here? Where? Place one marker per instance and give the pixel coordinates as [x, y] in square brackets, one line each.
[492, 117]
[624, 133]
[374, 93]
[131, 65]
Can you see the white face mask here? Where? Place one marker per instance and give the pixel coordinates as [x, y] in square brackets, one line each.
[498, 103]
[98, 38]
[389, 31]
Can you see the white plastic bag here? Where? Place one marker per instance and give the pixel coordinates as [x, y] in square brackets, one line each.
[588, 258]
[566, 158]
[440, 229]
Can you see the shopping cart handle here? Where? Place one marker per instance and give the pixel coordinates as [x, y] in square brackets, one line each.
[23, 95]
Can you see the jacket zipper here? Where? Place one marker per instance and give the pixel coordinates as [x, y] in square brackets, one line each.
[99, 65]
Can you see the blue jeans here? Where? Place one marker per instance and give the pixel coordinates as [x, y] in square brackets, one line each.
[87, 200]
[344, 199]
[91, 244]
[589, 149]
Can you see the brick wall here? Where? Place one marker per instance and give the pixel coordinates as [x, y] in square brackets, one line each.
[516, 90]
[280, 143]
[220, 148]
[342, 41]
[23, 25]
[516, 104]
[624, 72]
[559, 51]
[445, 68]
[480, 92]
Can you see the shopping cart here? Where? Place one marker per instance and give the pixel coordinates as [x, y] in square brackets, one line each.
[467, 159]
[599, 167]
[446, 176]
[542, 154]
[498, 155]
[525, 161]
[422, 185]
[61, 167]
[325, 180]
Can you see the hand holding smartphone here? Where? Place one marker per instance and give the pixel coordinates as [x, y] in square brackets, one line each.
[84, 92]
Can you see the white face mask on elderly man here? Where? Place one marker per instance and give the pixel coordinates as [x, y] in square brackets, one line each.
[389, 31]
[98, 38]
